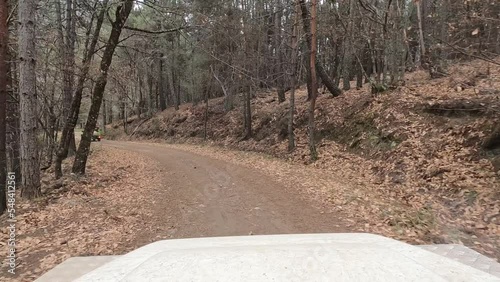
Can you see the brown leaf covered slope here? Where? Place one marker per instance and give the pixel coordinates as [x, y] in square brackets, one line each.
[109, 211]
[419, 148]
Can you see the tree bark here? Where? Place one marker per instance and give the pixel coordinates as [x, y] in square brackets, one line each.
[122, 13]
[228, 103]
[69, 60]
[291, 135]
[161, 85]
[314, 84]
[4, 73]
[103, 112]
[30, 163]
[66, 43]
[205, 122]
[280, 81]
[70, 123]
[420, 31]
[176, 77]
[151, 97]
[110, 114]
[172, 89]
[327, 80]
[248, 114]
[307, 30]
[140, 106]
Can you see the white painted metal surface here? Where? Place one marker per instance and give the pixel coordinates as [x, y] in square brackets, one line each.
[74, 267]
[308, 257]
[466, 256]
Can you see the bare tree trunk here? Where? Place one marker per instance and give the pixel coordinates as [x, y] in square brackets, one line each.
[4, 73]
[67, 46]
[51, 125]
[110, 114]
[205, 122]
[314, 84]
[69, 124]
[124, 121]
[291, 135]
[140, 106]
[122, 13]
[30, 163]
[172, 87]
[121, 104]
[327, 80]
[103, 112]
[248, 113]
[161, 85]
[307, 30]
[359, 76]
[176, 81]
[151, 98]
[279, 53]
[420, 30]
[228, 102]
[69, 60]
[66, 67]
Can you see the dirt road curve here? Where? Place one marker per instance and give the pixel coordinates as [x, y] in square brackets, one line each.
[208, 197]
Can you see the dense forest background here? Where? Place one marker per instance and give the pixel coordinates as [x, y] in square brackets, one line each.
[67, 64]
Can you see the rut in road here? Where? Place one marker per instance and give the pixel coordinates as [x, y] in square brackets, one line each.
[208, 197]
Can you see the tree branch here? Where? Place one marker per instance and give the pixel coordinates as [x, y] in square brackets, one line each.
[155, 31]
[458, 49]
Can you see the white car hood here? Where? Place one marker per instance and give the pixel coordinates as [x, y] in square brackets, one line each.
[308, 257]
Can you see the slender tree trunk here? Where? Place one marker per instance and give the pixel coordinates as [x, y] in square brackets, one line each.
[228, 103]
[140, 107]
[4, 73]
[279, 53]
[248, 113]
[172, 89]
[205, 122]
[122, 13]
[291, 135]
[70, 123]
[110, 114]
[420, 30]
[307, 30]
[51, 125]
[359, 76]
[66, 67]
[121, 103]
[178, 99]
[314, 84]
[125, 119]
[103, 112]
[67, 45]
[151, 94]
[161, 85]
[327, 80]
[30, 162]
[69, 60]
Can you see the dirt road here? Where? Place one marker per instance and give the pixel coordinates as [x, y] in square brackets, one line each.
[202, 196]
